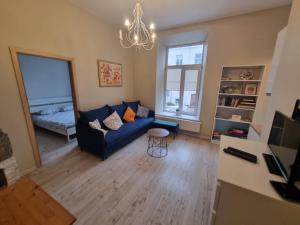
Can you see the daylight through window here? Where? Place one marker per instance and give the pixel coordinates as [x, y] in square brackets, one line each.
[183, 77]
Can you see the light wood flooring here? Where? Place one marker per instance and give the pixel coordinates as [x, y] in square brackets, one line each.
[132, 188]
[52, 145]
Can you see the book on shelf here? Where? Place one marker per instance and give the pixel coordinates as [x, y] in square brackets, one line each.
[236, 102]
[247, 103]
[246, 107]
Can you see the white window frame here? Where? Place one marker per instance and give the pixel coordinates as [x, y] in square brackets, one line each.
[184, 68]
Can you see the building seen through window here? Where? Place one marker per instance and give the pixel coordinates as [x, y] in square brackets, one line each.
[183, 77]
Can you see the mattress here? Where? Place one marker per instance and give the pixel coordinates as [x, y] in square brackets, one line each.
[60, 120]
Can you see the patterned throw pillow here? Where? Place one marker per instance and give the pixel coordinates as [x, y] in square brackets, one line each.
[129, 115]
[142, 111]
[97, 126]
[113, 122]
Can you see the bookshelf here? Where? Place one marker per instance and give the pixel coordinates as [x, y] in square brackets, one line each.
[236, 103]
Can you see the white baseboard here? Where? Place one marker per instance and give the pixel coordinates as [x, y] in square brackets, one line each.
[193, 134]
[27, 171]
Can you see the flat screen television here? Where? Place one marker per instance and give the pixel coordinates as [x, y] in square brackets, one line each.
[284, 143]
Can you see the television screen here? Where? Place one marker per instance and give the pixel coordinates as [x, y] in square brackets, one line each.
[284, 142]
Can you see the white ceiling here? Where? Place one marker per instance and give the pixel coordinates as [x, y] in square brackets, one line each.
[172, 13]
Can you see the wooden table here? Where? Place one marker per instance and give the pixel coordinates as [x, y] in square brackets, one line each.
[27, 203]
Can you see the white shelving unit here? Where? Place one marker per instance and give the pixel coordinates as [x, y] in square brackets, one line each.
[235, 100]
[229, 107]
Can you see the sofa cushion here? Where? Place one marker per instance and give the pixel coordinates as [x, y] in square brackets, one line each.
[133, 105]
[120, 109]
[100, 114]
[113, 122]
[142, 111]
[97, 126]
[129, 115]
[127, 130]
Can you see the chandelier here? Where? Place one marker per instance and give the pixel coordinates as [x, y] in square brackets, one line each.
[137, 33]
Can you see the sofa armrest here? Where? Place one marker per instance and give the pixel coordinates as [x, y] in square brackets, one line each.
[151, 114]
[90, 139]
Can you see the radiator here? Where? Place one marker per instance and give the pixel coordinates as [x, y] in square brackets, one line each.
[186, 125]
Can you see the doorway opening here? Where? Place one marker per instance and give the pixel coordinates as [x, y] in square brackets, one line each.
[48, 92]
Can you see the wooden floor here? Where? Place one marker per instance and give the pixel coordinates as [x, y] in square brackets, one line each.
[133, 188]
[52, 145]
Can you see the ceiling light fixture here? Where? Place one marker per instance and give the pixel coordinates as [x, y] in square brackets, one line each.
[137, 33]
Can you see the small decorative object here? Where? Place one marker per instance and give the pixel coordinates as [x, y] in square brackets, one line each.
[236, 117]
[232, 89]
[226, 77]
[246, 75]
[110, 74]
[250, 89]
[237, 89]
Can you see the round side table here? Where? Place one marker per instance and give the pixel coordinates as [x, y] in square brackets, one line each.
[158, 142]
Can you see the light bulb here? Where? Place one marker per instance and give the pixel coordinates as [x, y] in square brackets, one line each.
[152, 26]
[153, 36]
[127, 23]
[136, 38]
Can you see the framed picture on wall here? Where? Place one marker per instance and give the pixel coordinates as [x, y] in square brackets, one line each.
[110, 74]
[250, 89]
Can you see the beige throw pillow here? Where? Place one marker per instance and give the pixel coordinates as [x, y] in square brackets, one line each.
[97, 126]
[113, 122]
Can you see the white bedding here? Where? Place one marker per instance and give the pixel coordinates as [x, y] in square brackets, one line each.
[60, 120]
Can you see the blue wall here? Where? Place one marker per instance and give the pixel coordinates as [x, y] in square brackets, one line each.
[45, 77]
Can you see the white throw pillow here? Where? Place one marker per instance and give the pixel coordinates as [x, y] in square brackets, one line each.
[142, 111]
[97, 126]
[113, 122]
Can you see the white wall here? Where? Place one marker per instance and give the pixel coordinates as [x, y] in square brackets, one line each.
[240, 40]
[45, 77]
[286, 88]
[61, 28]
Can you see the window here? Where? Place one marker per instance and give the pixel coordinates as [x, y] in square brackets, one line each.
[179, 59]
[183, 77]
[198, 58]
[185, 55]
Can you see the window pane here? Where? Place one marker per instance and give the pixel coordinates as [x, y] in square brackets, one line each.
[173, 89]
[179, 59]
[190, 91]
[186, 55]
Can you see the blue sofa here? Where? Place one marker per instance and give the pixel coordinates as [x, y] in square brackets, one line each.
[94, 141]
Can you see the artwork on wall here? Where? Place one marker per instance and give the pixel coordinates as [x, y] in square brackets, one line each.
[250, 89]
[110, 74]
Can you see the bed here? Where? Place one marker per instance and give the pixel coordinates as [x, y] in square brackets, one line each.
[57, 117]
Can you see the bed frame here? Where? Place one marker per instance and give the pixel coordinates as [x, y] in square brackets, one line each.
[40, 104]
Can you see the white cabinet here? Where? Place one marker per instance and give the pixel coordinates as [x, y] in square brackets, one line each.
[275, 61]
[244, 195]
